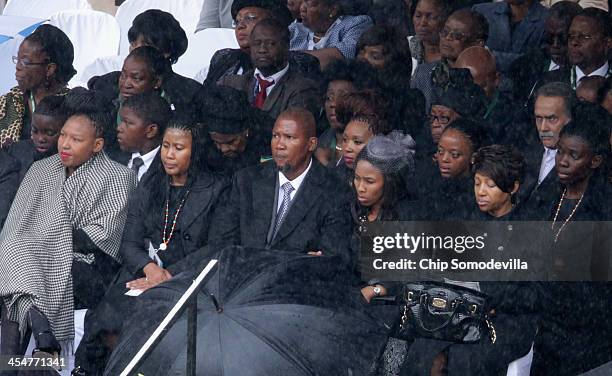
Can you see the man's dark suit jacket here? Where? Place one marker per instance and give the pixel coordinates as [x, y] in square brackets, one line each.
[228, 61]
[506, 45]
[292, 90]
[530, 192]
[318, 219]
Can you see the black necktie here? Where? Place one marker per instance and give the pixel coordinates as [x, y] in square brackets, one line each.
[136, 163]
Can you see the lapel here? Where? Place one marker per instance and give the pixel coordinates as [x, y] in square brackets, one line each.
[277, 91]
[154, 167]
[263, 195]
[305, 198]
[527, 26]
[199, 199]
[502, 24]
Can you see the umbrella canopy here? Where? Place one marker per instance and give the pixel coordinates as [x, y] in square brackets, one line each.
[273, 313]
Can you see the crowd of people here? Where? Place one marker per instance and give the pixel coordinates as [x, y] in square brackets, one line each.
[329, 115]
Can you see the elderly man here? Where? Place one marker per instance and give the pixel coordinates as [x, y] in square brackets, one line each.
[463, 29]
[292, 203]
[589, 44]
[527, 70]
[552, 111]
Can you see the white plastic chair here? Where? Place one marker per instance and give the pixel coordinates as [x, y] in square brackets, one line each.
[42, 8]
[93, 34]
[187, 12]
[98, 67]
[202, 46]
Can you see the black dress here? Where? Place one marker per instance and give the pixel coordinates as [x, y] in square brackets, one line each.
[144, 226]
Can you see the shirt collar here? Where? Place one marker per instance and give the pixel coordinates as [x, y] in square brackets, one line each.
[297, 182]
[601, 71]
[147, 158]
[275, 77]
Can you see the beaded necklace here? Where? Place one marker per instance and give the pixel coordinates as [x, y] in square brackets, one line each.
[568, 218]
[164, 244]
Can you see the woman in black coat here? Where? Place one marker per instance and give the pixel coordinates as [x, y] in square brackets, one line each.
[166, 233]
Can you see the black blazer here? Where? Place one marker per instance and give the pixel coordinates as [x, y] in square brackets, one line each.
[530, 192]
[146, 221]
[9, 182]
[319, 217]
[228, 61]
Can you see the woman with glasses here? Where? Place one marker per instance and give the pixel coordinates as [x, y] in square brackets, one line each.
[428, 20]
[43, 67]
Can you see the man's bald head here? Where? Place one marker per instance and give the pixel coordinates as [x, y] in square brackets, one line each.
[303, 118]
[481, 64]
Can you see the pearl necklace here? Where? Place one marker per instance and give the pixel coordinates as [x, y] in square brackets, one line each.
[568, 218]
[164, 244]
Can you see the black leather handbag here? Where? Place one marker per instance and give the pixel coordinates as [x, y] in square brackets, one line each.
[444, 312]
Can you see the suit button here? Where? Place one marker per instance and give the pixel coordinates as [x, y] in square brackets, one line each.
[187, 237]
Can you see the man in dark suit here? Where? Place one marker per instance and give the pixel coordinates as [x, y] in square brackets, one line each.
[139, 134]
[553, 110]
[292, 203]
[274, 85]
[514, 27]
[527, 70]
[589, 46]
[246, 14]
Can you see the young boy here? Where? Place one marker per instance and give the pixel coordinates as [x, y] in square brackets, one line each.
[143, 121]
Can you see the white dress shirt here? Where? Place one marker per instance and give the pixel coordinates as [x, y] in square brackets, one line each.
[548, 163]
[275, 77]
[601, 71]
[296, 183]
[147, 159]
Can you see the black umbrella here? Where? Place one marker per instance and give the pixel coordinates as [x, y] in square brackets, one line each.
[261, 313]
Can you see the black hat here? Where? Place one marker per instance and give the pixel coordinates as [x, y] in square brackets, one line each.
[278, 9]
[467, 99]
[226, 110]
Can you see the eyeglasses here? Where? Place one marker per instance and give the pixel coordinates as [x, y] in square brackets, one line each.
[442, 120]
[26, 62]
[247, 20]
[453, 34]
[559, 38]
[580, 38]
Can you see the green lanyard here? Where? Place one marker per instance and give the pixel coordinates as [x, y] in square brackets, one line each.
[573, 78]
[491, 105]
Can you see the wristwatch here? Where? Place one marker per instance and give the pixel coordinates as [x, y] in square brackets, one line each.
[377, 290]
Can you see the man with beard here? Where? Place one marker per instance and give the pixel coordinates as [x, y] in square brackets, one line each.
[292, 203]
